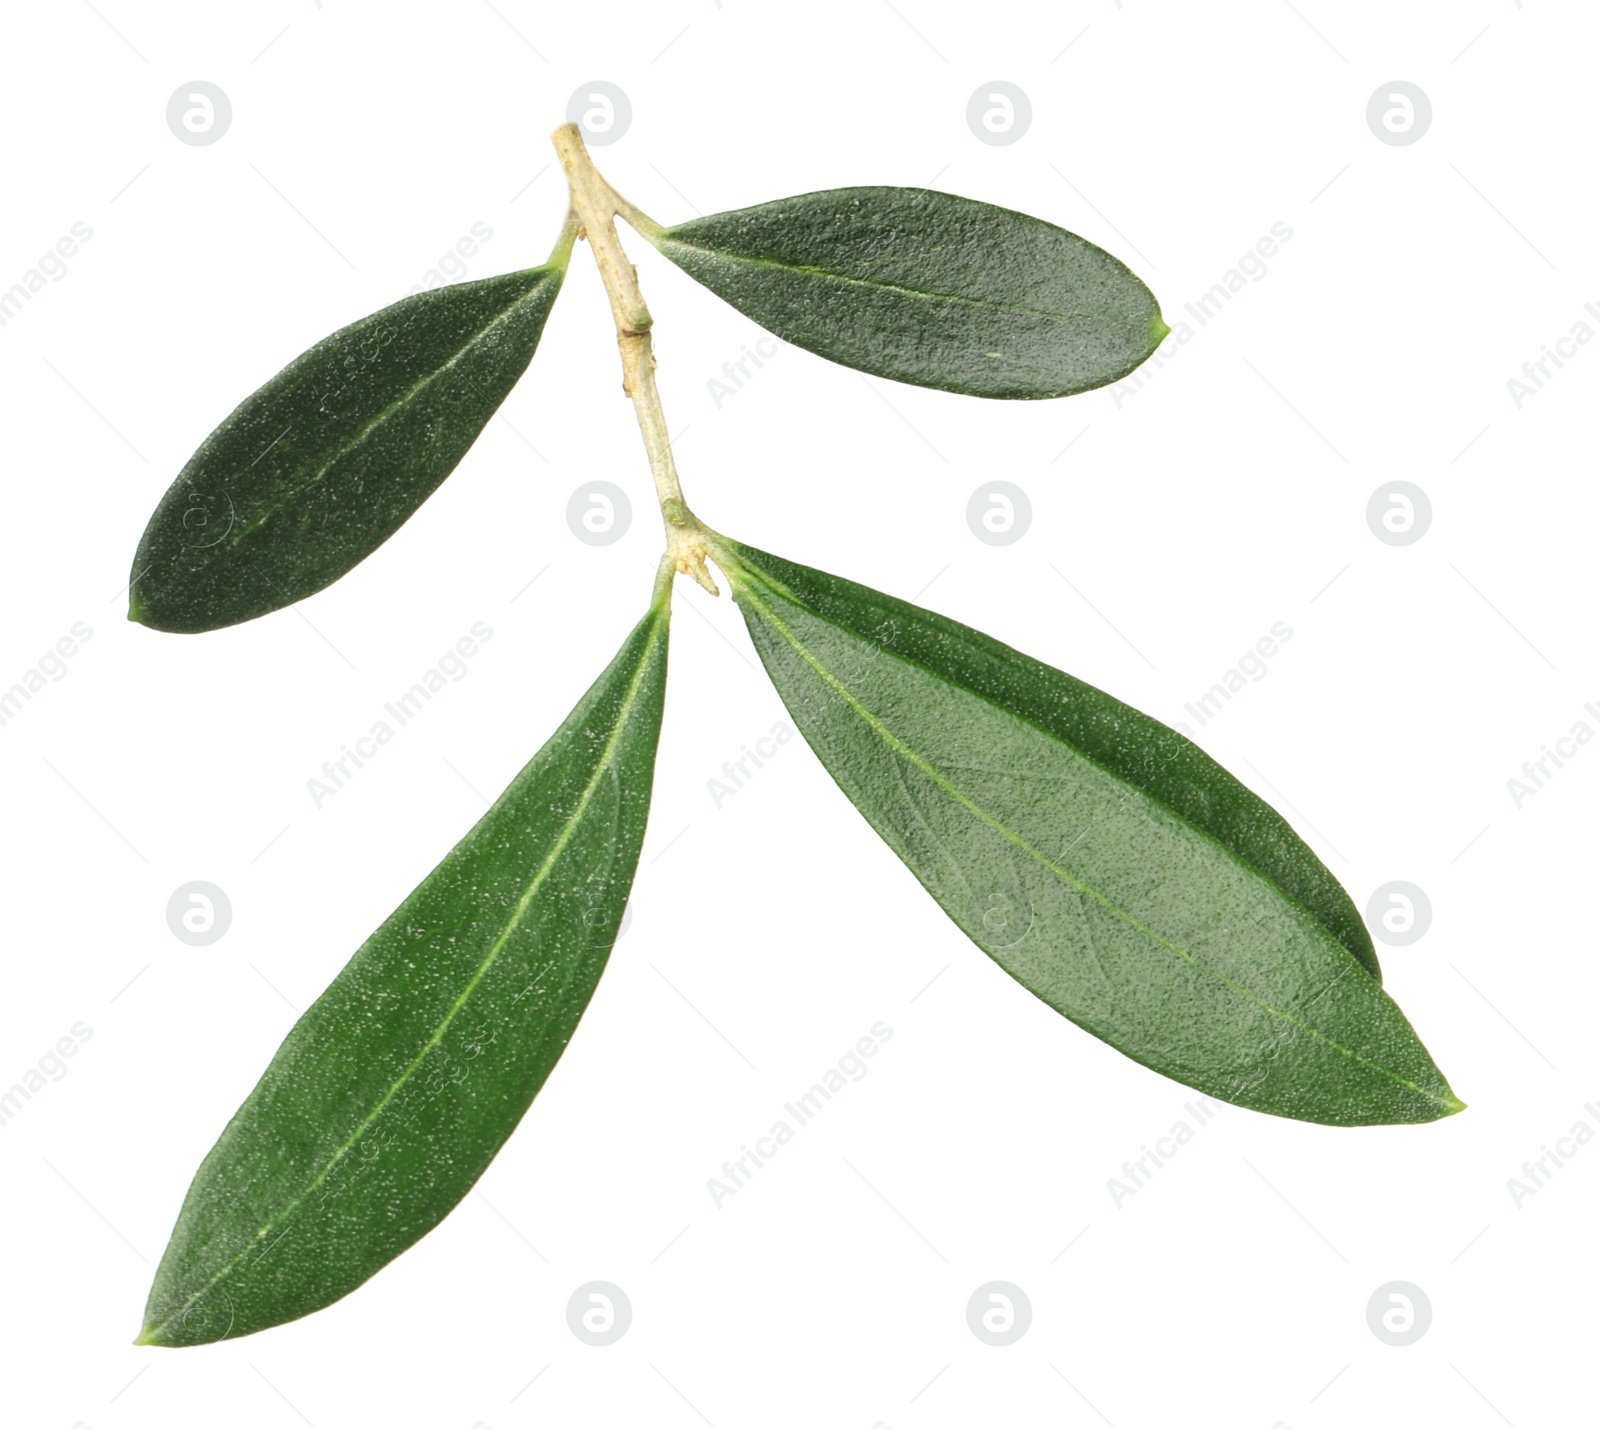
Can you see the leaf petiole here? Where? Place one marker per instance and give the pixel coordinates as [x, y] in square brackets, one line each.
[561, 254]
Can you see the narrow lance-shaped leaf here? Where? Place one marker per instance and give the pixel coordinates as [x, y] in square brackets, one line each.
[313, 472]
[1100, 858]
[926, 288]
[393, 1093]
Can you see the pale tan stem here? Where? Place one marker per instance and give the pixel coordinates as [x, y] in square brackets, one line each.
[594, 205]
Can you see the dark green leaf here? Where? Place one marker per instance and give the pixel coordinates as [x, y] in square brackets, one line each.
[928, 288]
[1100, 858]
[391, 1095]
[312, 473]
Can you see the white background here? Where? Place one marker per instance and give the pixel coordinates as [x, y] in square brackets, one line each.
[1227, 494]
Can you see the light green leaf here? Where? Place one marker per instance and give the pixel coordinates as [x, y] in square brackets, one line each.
[1100, 858]
[927, 288]
[393, 1093]
[310, 474]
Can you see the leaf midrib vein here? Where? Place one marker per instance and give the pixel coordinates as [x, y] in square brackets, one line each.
[624, 716]
[819, 272]
[300, 489]
[1287, 894]
[900, 747]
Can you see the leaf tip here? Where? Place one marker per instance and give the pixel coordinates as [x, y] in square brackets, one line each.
[1158, 329]
[146, 1336]
[136, 609]
[1453, 1104]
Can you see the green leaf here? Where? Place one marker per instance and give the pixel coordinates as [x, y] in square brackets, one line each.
[1100, 858]
[312, 473]
[927, 288]
[393, 1093]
